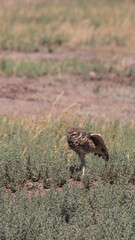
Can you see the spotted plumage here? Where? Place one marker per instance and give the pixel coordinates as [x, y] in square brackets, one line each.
[83, 143]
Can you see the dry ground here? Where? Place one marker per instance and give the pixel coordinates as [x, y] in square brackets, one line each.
[106, 99]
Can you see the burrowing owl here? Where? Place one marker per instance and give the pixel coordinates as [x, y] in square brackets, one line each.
[83, 143]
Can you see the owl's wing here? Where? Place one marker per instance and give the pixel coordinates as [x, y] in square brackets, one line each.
[98, 140]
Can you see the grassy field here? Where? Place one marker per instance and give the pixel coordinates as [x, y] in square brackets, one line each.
[57, 56]
[36, 152]
[33, 26]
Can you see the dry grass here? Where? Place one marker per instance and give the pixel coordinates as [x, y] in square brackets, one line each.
[33, 25]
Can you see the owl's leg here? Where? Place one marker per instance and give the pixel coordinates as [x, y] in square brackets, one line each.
[83, 163]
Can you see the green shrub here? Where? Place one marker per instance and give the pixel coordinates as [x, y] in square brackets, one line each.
[47, 155]
[101, 209]
[106, 212]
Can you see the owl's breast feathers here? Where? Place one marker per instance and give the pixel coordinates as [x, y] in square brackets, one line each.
[79, 141]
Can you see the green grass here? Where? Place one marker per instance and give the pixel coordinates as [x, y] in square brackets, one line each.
[75, 66]
[33, 26]
[29, 68]
[37, 151]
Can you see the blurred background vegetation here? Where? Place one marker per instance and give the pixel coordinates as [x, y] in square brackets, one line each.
[34, 25]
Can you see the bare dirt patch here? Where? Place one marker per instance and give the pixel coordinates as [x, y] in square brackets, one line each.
[108, 99]
[38, 187]
[85, 53]
[34, 98]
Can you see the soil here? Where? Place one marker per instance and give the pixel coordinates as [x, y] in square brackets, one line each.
[108, 99]
[36, 187]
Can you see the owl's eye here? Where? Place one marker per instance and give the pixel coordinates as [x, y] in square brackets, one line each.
[74, 134]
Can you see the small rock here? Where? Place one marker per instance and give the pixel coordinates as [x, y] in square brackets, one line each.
[92, 75]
